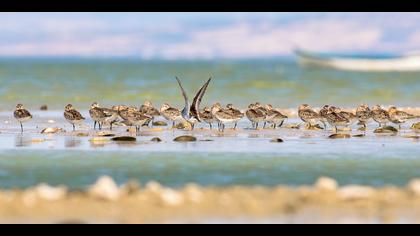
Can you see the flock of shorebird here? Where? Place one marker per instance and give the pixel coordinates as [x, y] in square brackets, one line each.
[256, 114]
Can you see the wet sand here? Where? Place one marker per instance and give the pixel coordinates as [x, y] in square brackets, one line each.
[104, 202]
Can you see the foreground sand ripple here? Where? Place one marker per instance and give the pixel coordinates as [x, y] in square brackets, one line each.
[105, 202]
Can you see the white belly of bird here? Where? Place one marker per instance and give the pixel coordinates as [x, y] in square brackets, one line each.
[23, 120]
[228, 120]
[111, 118]
[75, 122]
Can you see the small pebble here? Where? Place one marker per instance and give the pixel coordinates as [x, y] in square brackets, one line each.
[124, 139]
[276, 140]
[105, 188]
[355, 192]
[156, 139]
[160, 123]
[337, 136]
[185, 138]
[414, 187]
[326, 184]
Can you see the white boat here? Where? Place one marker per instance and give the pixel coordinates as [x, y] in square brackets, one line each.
[404, 63]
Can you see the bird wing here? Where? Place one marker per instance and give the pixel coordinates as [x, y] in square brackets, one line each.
[76, 115]
[108, 112]
[194, 110]
[404, 115]
[310, 114]
[186, 110]
[22, 113]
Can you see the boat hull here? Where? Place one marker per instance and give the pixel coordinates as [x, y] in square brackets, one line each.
[398, 64]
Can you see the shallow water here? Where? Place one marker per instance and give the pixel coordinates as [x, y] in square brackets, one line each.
[243, 157]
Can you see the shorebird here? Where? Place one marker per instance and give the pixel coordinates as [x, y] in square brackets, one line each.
[234, 112]
[137, 119]
[72, 116]
[274, 116]
[170, 113]
[261, 108]
[148, 109]
[323, 113]
[335, 119]
[399, 117]
[351, 118]
[380, 115]
[308, 115]
[22, 115]
[207, 116]
[102, 115]
[191, 113]
[223, 116]
[123, 110]
[255, 115]
[364, 114]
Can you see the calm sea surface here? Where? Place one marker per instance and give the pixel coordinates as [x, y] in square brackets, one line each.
[282, 82]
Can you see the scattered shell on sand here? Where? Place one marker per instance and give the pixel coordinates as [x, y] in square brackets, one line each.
[105, 188]
[44, 108]
[355, 192]
[185, 138]
[51, 121]
[53, 130]
[82, 135]
[50, 193]
[414, 187]
[326, 184]
[194, 193]
[337, 136]
[171, 197]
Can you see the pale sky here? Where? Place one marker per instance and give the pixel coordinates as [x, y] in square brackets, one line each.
[205, 35]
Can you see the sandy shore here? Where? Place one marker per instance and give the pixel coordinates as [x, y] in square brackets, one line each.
[104, 202]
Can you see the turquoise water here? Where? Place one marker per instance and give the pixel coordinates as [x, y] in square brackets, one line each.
[282, 82]
[79, 169]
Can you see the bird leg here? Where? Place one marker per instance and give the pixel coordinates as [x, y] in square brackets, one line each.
[94, 125]
[281, 124]
[21, 127]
